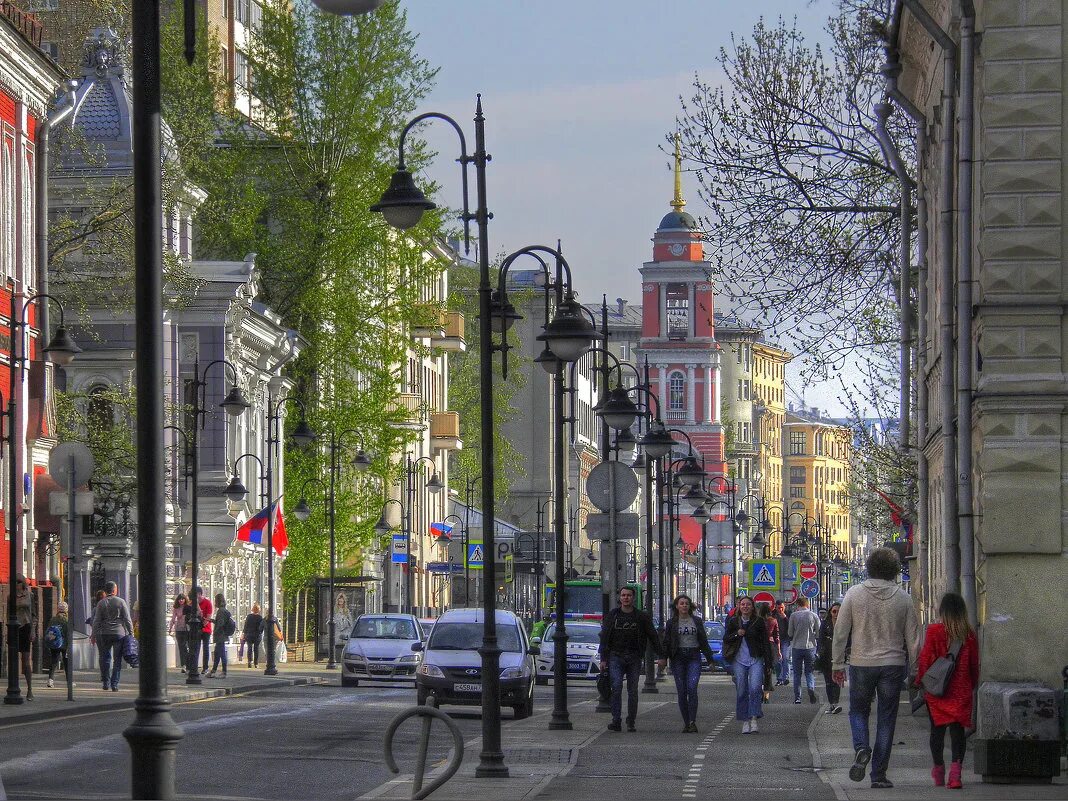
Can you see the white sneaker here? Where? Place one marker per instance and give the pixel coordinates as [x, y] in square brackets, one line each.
[745, 727]
[51, 684]
[753, 726]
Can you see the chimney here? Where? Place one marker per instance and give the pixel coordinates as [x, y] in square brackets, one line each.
[622, 305]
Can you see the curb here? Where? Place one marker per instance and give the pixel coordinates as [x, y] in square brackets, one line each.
[186, 696]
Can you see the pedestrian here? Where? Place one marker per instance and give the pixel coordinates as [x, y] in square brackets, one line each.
[951, 711]
[26, 620]
[57, 638]
[251, 634]
[747, 648]
[111, 623]
[626, 632]
[180, 630]
[771, 667]
[782, 620]
[224, 627]
[804, 628]
[823, 659]
[538, 629]
[685, 640]
[878, 621]
[199, 623]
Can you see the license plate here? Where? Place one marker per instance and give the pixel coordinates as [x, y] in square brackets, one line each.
[578, 667]
[381, 669]
[468, 688]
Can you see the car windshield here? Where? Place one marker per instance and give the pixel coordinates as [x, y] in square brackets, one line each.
[468, 637]
[384, 628]
[576, 632]
[714, 630]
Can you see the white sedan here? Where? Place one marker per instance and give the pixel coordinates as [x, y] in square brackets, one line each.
[582, 646]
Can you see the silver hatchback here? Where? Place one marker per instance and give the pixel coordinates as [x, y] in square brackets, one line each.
[380, 649]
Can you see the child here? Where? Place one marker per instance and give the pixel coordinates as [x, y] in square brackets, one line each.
[953, 710]
[58, 632]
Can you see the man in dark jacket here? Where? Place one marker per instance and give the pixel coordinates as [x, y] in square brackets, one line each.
[625, 633]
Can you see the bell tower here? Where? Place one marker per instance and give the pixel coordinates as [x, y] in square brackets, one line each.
[678, 335]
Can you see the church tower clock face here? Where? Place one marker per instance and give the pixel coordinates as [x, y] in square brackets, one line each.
[678, 249]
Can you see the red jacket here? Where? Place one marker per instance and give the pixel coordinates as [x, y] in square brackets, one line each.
[956, 705]
[205, 613]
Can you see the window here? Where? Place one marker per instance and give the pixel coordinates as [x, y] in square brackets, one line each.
[819, 443]
[748, 388]
[678, 311]
[741, 384]
[797, 475]
[240, 69]
[677, 395]
[797, 492]
[225, 8]
[797, 443]
[52, 49]
[255, 15]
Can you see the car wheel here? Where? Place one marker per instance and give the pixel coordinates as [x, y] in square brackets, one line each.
[347, 682]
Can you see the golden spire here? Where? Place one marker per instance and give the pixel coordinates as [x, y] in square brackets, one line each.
[678, 203]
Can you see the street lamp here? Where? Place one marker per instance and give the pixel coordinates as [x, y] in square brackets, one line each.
[61, 350]
[435, 485]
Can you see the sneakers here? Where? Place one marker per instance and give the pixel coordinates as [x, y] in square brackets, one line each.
[882, 784]
[812, 697]
[615, 725]
[753, 726]
[29, 695]
[954, 782]
[212, 674]
[860, 765]
[797, 699]
[50, 684]
[746, 727]
[938, 774]
[693, 727]
[834, 709]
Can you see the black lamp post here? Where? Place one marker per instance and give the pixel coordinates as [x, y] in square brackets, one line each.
[61, 350]
[463, 534]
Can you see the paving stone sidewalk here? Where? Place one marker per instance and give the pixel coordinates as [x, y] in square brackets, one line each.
[90, 697]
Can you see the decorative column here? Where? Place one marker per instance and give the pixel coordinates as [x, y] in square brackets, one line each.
[708, 397]
[691, 311]
[663, 393]
[717, 388]
[691, 395]
[663, 310]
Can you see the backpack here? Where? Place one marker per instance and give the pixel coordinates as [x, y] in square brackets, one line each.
[230, 626]
[54, 637]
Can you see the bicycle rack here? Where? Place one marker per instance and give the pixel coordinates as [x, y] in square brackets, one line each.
[428, 713]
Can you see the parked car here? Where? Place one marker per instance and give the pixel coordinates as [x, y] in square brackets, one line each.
[583, 640]
[714, 630]
[427, 625]
[380, 649]
[451, 669]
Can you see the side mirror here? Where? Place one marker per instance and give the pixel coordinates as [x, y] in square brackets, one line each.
[535, 640]
[534, 650]
[417, 646]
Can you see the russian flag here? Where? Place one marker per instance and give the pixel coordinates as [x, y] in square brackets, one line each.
[254, 529]
[441, 530]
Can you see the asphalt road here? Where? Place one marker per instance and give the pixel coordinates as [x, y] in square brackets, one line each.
[325, 742]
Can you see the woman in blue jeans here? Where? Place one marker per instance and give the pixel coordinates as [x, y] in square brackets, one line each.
[746, 644]
[685, 639]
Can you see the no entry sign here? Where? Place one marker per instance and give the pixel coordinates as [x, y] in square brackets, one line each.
[808, 570]
[763, 598]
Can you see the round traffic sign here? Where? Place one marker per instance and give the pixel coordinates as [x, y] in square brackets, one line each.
[763, 598]
[809, 588]
[791, 595]
[612, 486]
[70, 464]
[808, 570]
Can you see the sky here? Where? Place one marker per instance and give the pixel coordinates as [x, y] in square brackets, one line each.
[579, 98]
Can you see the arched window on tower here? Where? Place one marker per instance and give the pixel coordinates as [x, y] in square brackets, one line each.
[677, 396]
[678, 311]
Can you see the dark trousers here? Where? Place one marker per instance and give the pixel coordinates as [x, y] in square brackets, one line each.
[110, 648]
[57, 655]
[219, 656]
[956, 742]
[686, 668]
[626, 665]
[253, 649]
[205, 649]
[834, 692]
[802, 658]
[867, 684]
[182, 640]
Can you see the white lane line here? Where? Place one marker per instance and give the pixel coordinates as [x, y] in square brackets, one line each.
[693, 778]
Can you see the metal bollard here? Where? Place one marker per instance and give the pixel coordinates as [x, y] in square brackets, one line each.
[427, 713]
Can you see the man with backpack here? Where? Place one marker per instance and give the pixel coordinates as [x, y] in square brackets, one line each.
[225, 627]
[57, 639]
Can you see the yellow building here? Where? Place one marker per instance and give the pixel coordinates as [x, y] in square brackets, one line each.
[769, 391]
[816, 468]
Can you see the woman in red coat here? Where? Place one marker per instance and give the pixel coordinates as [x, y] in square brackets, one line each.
[953, 710]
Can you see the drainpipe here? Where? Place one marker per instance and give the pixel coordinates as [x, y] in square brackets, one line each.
[53, 118]
[946, 344]
[965, 503]
[891, 71]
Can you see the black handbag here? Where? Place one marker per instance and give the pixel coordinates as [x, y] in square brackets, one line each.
[937, 677]
[604, 685]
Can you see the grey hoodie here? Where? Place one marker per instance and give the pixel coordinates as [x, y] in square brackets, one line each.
[878, 622]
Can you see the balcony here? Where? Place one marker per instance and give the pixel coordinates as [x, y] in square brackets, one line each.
[407, 411]
[675, 416]
[25, 23]
[445, 431]
[429, 321]
[453, 340]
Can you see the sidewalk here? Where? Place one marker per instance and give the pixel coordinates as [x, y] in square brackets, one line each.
[90, 697]
[910, 763]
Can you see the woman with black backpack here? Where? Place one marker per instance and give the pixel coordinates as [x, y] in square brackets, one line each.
[224, 628]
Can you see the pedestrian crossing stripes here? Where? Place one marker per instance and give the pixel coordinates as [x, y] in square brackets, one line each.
[693, 778]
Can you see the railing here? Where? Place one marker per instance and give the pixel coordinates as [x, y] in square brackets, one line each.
[445, 424]
[675, 415]
[411, 403]
[27, 24]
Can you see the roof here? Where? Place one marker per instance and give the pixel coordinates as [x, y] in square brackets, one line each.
[677, 221]
[474, 615]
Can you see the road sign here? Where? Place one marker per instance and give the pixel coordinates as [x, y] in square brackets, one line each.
[743, 592]
[846, 577]
[475, 554]
[789, 571]
[597, 526]
[612, 486]
[809, 588]
[763, 598]
[443, 568]
[790, 595]
[400, 549]
[68, 456]
[764, 574]
[509, 568]
[808, 570]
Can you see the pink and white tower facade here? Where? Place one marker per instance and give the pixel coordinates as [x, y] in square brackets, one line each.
[678, 335]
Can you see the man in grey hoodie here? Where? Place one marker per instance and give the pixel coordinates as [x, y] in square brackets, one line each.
[877, 624]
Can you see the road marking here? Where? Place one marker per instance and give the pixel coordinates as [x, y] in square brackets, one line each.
[817, 760]
[693, 779]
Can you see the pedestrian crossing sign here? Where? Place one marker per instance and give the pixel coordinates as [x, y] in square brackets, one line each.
[475, 554]
[764, 574]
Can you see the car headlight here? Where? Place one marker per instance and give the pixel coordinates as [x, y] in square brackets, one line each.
[354, 657]
[431, 670]
[409, 658]
[514, 672]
